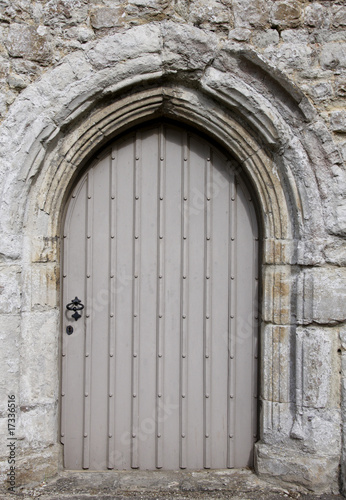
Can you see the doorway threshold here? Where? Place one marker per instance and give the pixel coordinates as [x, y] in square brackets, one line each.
[180, 485]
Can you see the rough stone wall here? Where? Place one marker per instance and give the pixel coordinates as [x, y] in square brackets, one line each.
[50, 49]
[304, 39]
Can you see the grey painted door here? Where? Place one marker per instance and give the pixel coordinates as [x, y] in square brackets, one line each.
[160, 245]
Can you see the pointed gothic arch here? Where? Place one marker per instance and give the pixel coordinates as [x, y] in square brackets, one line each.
[127, 79]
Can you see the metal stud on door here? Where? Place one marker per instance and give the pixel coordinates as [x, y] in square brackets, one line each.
[161, 368]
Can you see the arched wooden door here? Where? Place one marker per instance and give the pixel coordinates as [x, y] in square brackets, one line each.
[160, 371]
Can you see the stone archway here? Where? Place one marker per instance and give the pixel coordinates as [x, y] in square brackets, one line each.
[165, 70]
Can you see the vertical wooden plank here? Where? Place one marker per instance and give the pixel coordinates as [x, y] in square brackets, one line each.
[149, 290]
[124, 241]
[207, 309]
[255, 316]
[170, 407]
[160, 298]
[184, 303]
[99, 351]
[195, 299]
[73, 345]
[245, 329]
[88, 321]
[136, 291]
[232, 330]
[112, 308]
[64, 346]
[219, 299]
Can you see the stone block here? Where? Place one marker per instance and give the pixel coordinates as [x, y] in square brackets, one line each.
[339, 16]
[295, 36]
[65, 12]
[44, 249]
[277, 283]
[82, 34]
[317, 359]
[25, 67]
[340, 216]
[181, 8]
[340, 88]
[10, 289]
[142, 40]
[322, 296]
[59, 79]
[215, 13]
[321, 91]
[239, 35]
[24, 41]
[139, 11]
[4, 67]
[315, 15]
[323, 154]
[286, 14]
[38, 466]
[39, 360]
[323, 36]
[37, 10]
[314, 472]
[338, 121]
[278, 251]
[16, 82]
[253, 14]
[277, 421]
[81, 70]
[183, 53]
[321, 431]
[290, 56]
[37, 425]
[335, 253]
[3, 106]
[9, 357]
[329, 295]
[44, 286]
[276, 367]
[264, 38]
[106, 17]
[10, 97]
[333, 55]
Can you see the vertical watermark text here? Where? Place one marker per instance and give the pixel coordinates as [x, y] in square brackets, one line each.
[11, 444]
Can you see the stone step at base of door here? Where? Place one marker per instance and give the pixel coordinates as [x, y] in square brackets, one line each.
[149, 485]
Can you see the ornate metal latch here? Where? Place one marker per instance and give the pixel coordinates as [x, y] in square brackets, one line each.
[75, 305]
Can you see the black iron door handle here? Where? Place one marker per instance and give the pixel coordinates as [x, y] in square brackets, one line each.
[75, 305]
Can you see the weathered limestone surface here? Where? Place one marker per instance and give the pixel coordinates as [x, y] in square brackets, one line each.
[106, 18]
[28, 43]
[267, 79]
[287, 466]
[324, 294]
